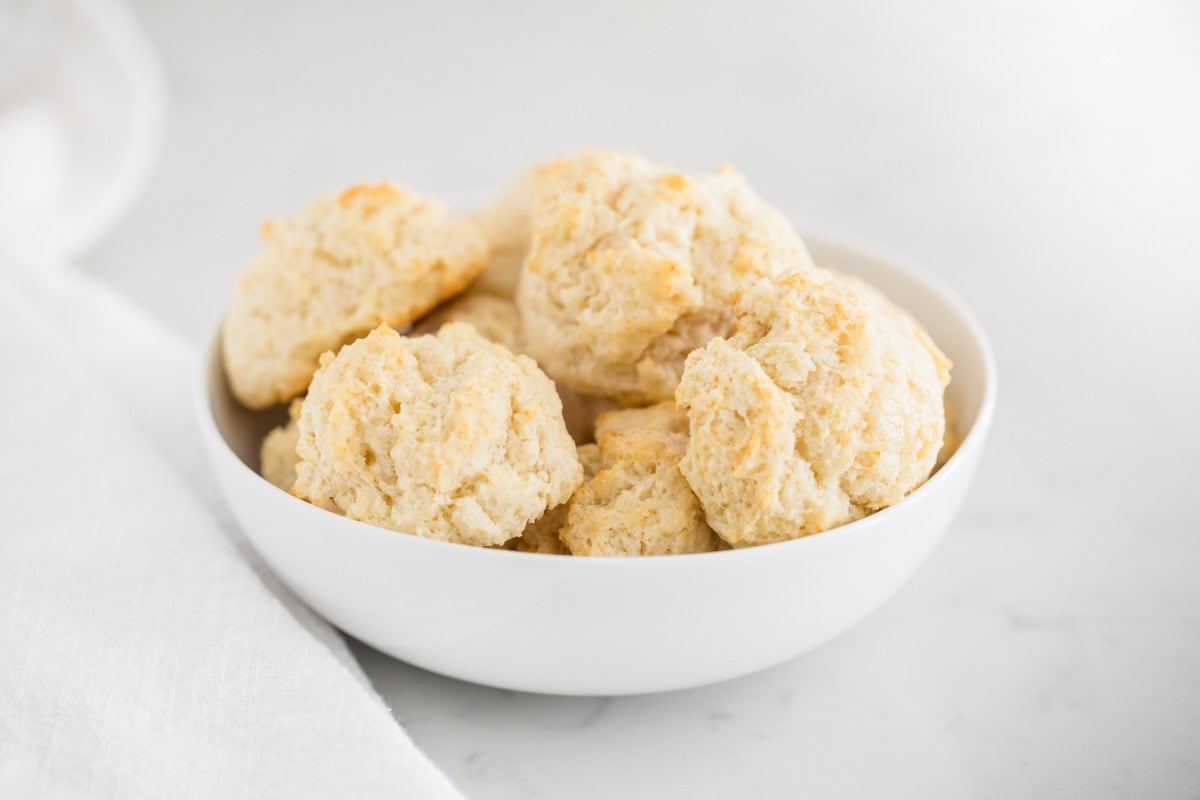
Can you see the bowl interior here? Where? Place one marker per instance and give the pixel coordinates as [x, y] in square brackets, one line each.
[942, 314]
[242, 429]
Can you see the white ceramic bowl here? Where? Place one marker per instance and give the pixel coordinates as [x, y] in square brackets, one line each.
[607, 626]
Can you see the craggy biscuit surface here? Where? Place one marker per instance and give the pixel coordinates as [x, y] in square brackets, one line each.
[371, 255]
[823, 406]
[541, 535]
[638, 503]
[448, 437]
[496, 319]
[632, 266]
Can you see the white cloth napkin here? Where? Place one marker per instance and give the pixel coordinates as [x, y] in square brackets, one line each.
[141, 654]
[144, 650]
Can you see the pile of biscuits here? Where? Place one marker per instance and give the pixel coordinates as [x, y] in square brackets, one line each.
[614, 359]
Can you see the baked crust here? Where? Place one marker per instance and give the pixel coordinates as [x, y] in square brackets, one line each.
[632, 266]
[638, 503]
[345, 264]
[823, 406]
[449, 437]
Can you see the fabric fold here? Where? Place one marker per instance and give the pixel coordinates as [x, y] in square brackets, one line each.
[142, 650]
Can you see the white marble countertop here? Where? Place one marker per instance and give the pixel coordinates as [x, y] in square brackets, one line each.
[1042, 160]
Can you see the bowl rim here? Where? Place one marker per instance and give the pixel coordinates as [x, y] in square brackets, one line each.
[972, 439]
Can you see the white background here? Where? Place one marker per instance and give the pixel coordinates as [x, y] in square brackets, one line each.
[1044, 159]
